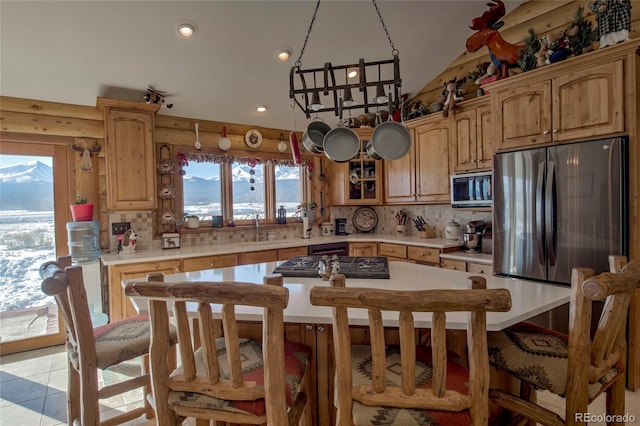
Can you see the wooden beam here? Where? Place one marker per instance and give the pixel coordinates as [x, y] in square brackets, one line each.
[51, 125]
[32, 106]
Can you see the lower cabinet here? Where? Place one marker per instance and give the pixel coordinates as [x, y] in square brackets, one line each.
[209, 262]
[288, 253]
[461, 265]
[363, 249]
[397, 252]
[250, 257]
[427, 255]
[119, 304]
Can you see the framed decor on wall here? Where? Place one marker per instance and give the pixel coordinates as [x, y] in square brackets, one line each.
[170, 240]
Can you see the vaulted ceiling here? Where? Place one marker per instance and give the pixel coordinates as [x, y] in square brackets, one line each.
[75, 51]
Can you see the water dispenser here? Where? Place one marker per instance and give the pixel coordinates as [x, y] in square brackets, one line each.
[84, 240]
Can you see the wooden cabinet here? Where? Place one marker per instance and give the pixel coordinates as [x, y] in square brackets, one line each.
[426, 255]
[288, 253]
[209, 262]
[422, 176]
[479, 268]
[359, 180]
[559, 105]
[363, 249]
[250, 257]
[471, 138]
[456, 265]
[119, 305]
[393, 251]
[130, 159]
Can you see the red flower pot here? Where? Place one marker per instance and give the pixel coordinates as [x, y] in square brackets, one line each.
[81, 212]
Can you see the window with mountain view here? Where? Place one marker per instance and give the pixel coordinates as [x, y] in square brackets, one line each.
[254, 188]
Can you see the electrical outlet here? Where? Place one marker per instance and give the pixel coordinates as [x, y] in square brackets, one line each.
[120, 228]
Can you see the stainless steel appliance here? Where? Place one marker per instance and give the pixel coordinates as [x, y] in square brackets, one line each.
[351, 267]
[560, 207]
[471, 190]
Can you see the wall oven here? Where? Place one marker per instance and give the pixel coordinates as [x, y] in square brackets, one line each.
[471, 190]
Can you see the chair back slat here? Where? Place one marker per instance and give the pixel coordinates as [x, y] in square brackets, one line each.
[406, 394]
[207, 339]
[439, 353]
[378, 354]
[232, 344]
[184, 337]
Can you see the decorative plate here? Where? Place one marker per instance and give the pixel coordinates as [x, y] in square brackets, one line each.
[253, 139]
[365, 219]
[165, 167]
[168, 217]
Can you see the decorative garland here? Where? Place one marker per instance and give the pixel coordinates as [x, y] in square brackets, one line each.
[198, 157]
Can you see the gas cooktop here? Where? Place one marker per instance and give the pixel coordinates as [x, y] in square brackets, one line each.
[351, 267]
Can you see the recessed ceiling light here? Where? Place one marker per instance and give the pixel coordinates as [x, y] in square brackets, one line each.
[283, 54]
[352, 73]
[261, 108]
[186, 29]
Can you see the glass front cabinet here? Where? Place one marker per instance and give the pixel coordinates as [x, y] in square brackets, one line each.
[361, 176]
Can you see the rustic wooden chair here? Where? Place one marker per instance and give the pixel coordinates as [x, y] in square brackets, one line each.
[228, 379]
[90, 349]
[409, 384]
[576, 366]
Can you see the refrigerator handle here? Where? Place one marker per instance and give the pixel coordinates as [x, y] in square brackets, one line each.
[550, 216]
[540, 213]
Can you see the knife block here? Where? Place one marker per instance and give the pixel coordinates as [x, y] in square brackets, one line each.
[428, 232]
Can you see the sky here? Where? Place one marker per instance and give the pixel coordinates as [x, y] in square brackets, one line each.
[9, 160]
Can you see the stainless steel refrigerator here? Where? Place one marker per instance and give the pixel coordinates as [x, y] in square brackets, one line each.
[559, 207]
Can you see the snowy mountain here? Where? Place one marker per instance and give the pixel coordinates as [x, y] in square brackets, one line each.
[32, 171]
[26, 186]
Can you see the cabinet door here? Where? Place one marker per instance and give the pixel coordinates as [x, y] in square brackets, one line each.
[130, 160]
[464, 140]
[363, 249]
[363, 176]
[479, 268]
[432, 162]
[456, 265]
[288, 253]
[393, 250]
[400, 181]
[424, 254]
[589, 102]
[119, 304]
[522, 115]
[484, 142]
[252, 257]
[209, 262]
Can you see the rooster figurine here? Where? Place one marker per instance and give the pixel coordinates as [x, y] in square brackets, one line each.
[502, 53]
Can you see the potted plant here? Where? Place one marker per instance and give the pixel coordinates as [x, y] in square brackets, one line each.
[81, 210]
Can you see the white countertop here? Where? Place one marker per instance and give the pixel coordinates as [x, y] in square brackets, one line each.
[529, 298]
[155, 255]
[483, 258]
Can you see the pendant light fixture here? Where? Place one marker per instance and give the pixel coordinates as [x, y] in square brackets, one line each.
[307, 98]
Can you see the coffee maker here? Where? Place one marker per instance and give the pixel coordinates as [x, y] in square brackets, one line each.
[341, 226]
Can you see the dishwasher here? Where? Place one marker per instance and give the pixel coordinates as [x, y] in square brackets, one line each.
[329, 249]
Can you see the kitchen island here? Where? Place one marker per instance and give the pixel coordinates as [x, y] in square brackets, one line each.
[311, 325]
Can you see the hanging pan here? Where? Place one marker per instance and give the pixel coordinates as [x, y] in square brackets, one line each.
[390, 140]
[341, 144]
[313, 137]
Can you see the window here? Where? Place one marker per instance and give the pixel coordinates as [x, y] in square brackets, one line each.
[241, 188]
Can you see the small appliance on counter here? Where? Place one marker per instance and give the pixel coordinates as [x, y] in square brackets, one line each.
[452, 230]
[487, 240]
[471, 242]
[341, 226]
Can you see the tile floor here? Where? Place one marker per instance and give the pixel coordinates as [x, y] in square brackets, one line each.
[33, 392]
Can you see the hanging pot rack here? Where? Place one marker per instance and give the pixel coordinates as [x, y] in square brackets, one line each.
[333, 88]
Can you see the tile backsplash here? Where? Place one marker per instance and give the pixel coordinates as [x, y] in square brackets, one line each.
[435, 215]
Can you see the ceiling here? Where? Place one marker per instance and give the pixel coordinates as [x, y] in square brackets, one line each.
[75, 51]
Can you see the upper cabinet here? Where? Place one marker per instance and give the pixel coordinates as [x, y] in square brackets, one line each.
[471, 137]
[560, 104]
[422, 176]
[359, 180]
[129, 128]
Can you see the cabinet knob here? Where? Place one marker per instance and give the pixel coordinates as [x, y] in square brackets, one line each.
[421, 254]
[555, 130]
[212, 264]
[321, 329]
[546, 132]
[309, 327]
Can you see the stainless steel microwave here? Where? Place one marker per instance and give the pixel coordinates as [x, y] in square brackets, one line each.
[471, 190]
